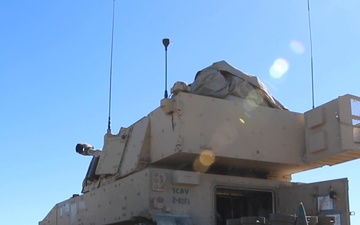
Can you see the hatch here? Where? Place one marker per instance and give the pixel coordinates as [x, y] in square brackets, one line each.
[234, 203]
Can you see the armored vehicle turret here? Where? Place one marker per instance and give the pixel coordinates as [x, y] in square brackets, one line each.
[220, 151]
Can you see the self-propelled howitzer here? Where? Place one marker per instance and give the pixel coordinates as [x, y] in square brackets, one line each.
[220, 151]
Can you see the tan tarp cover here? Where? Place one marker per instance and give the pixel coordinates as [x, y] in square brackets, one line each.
[221, 80]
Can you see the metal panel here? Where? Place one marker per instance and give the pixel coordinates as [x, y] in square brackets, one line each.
[317, 142]
[164, 134]
[322, 198]
[113, 203]
[315, 118]
[112, 153]
[234, 134]
[198, 201]
[355, 112]
[134, 196]
[332, 131]
[136, 154]
[240, 129]
[185, 177]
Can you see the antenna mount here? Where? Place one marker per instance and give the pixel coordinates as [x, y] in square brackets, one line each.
[166, 42]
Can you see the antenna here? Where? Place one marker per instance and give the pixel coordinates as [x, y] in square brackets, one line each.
[166, 42]
[111, 66]
[311, 58]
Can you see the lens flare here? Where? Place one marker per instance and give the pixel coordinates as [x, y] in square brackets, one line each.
[249, 105]
[279, 68]
[204, 161]
[207, 157]
[297, 47]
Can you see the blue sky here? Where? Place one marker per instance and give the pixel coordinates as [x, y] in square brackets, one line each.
[54, 70]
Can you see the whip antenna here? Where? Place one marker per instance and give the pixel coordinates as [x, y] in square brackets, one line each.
[111, 62]
[166, 42]
[311, 58]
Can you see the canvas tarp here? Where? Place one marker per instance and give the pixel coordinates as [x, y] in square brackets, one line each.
[221, 80]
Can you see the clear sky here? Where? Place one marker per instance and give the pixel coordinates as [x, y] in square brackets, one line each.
[54, 75]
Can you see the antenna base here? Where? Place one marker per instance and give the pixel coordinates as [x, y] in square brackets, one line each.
[167, 105]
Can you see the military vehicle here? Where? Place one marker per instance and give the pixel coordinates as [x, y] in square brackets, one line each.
[220, 151]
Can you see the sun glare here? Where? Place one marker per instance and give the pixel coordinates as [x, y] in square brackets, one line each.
[204, 161]
[297, 47]
[279, 68]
